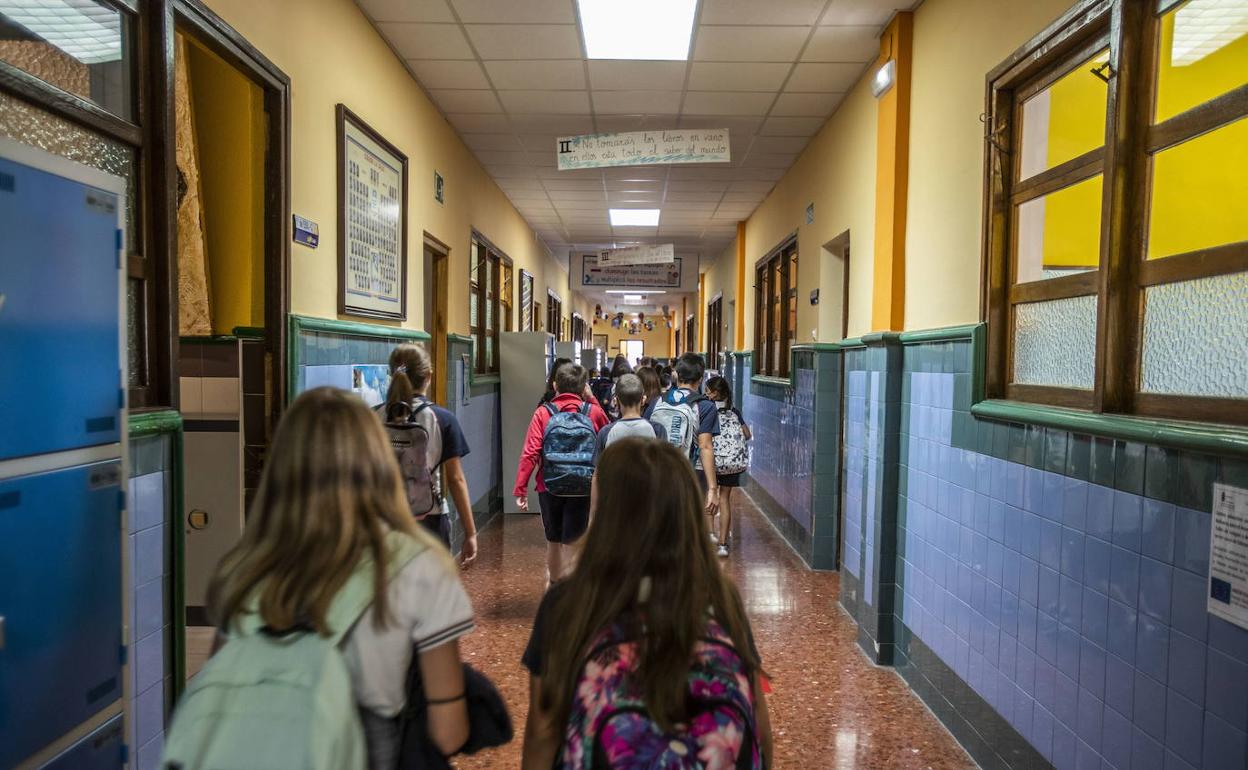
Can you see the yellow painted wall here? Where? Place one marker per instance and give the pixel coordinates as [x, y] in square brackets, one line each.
[721, 276]
[657, 342]
[956, 43]
[332, 54]
[230, 127]
[836, 172]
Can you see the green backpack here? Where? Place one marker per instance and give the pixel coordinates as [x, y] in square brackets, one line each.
[267, 702]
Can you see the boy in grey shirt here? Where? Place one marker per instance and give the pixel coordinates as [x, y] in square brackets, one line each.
[630, 395]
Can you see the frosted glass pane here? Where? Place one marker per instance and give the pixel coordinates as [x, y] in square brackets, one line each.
[1194, 334]
[1060, 233]
[1055, 342]
[1065, 120]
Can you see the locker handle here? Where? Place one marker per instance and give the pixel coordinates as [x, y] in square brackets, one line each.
[1, 633]
[198, 519]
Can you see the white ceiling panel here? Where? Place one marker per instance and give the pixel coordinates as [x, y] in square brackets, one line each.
[690, 185]
[407, 10]
[525, 41]
[635, 185]
[798, 12]
[492, 141]
[750, 185]
[768, 160]
[644, 75]
[478, 123]
[765, 44]
[834, 77]
[843, 44]
[808, 105]
[545, 102]
[739, 126]
[703, 172]
[737, 76]
[728, 102]
[466, 102]
[502, 158]
[515, 11]
[791, 126]
[612, 123]
[779, 144]
[516, 185]
[743, 197]
[555, 125]
[863, 12]
[632, 102]
[427, 41]
[440, 73]
[510, 172]
[574, 184]
[559, 74]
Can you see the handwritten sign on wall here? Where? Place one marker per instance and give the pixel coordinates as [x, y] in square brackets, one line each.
[643, 148]
[593, 273]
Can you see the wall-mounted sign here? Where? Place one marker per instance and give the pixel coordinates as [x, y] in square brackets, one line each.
[1228, 555]
[643, 148]
[439, 188]
[657, 276]
[307, 232]
[657, 254]
[372, 217]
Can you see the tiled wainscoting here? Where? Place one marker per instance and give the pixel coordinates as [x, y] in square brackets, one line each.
[481, 420]
[1043, 590]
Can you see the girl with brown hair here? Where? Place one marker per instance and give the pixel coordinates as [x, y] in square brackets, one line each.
[647, 617]
[329, 499]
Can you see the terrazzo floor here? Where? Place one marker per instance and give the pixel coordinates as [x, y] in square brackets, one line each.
[830, 707]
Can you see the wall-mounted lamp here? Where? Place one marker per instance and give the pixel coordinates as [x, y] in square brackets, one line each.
[884, 78]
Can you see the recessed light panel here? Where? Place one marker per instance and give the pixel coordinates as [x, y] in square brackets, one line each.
[652, 30]
[634, 217]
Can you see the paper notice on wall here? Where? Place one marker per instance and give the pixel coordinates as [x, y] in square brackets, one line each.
[658, 254]
[1228, 555]
[643, 148]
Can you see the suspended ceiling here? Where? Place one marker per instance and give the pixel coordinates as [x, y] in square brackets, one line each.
[511, 76]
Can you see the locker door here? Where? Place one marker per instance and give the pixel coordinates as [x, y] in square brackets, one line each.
[60, 313]
[100, 750]
[60, 597]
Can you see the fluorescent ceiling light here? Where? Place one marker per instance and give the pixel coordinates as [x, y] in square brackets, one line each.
[634, 217]
[654, 30]
[634, 298]
[84, 29]
[630, 291]
[1203, 27]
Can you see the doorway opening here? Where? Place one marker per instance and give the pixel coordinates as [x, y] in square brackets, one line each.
[633, 350]
[437, 273]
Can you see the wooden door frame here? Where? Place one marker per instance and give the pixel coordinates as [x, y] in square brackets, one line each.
[440, 275]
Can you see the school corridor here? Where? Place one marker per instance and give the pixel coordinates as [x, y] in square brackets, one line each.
[964, 285]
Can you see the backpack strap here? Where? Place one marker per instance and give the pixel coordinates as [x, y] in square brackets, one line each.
[356, 595]
[584, 408]
[550, 407]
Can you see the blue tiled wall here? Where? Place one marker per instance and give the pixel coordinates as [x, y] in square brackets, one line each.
[482, 422]
[1050, 588]
[151, 586]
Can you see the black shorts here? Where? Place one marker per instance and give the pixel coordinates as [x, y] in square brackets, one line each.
[721, 479]
[439, 525]
[564, 518]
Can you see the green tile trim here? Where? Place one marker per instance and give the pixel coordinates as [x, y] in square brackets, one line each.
[945, 334]
[1214, 439]
[249, 332]
[147, 424]
[765, 380]
[852, 342]
[301, 323]
[474, 379]
[741, 353]
[464, 338]
[817, 346]
[880, 339]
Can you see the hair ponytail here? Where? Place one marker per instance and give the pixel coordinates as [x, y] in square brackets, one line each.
[410, 370]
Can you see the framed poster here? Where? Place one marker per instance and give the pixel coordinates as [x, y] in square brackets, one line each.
[372, 222]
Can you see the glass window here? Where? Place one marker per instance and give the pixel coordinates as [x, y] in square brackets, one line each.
[1203, 53]
[1060, 233]
[1194, 334]
[1066, 119]
[489, 302]
[1055, 342]
[81, 47]
[775, 310]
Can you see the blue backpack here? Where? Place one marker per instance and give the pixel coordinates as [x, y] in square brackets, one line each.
[568, 448]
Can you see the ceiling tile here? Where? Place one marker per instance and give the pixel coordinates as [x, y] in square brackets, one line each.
[739, 127]
[737, 76]
[594, 205]
[558, 75]
[743, 197]
[755, 12]
[574, 184]
[696, 185]
[631, 231]
[750, 185]
[407, 10]
[626, 102]
[441, 73]
[864, 12]
[427, 41]
[502, 158]
[632, 197]
[510, 172]
[515, 11]
[517, 185]
[635, 172]
[641, 75]
[478, 123]
[728, 102]
[791, 126]
[766, 44]
[761, 174]
[558, 125]
[613, 123]
[580, 173]
[696, 196]
[812, 105]
[769, 160]
[465, 102]
[843, 44]
[824, 77]
[779, 144]
[492, 142]
[546, 102]
[635, 185]
[703, 171]
[525, 41]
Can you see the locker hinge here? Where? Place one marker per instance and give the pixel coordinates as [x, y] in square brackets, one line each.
[123, 654]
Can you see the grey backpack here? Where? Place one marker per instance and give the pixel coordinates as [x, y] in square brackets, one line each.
[417, 442]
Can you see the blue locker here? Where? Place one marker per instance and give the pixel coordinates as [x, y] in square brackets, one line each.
[102, 749]
[60, 596]
[60, 316]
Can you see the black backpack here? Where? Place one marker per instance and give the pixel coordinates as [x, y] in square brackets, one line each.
[569, 444]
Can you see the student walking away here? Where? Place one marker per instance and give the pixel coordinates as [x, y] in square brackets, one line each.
[560, 445]
[732, 453]
[653, 389]
[692, 422]
[644, 657]
[418, 429]
[318, 606]
[550, 393]
[603, 390]
[630, 395]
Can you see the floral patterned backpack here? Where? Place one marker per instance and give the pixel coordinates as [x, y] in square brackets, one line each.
[610, 729]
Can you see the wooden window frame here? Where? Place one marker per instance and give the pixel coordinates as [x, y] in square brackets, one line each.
[487, 257]
[554, 315]
[527, 314]
[1130, 29]
[774, 328]
[714, 331]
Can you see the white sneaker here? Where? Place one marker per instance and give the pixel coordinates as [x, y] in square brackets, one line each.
[714, 537]
[722, 552]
